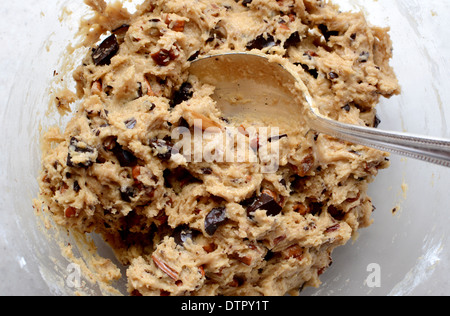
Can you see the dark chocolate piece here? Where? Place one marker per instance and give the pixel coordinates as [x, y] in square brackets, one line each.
[215, 219]
[267, 203]
[163, 148]
[185, 93]
[131, 123]
[182, 234]
[77, 148]
[261, 42]
[108, 49]
[277, 138]
[293, 40]
[125, 157]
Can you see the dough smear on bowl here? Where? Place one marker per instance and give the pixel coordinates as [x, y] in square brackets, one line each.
[187, 226]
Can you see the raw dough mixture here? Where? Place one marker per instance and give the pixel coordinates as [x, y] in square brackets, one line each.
[215, 228]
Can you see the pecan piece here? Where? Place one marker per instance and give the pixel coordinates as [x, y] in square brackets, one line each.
[70, 212]
[204, 123]
[247, 260]
[172, 273]
[294, 251]
[305, 166]
[163, 57]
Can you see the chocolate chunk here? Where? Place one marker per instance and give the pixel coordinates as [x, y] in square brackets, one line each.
[185, 93]
[182, 234]
[127, 194]
[183, 123]
[125, 157]
[225, 120]
[85, 155]
[108, 49]
[194, 56]
[376, 121]
[207, 171]
[332, 75]
[336, 213]
[121, 28]
[346, 107]
[267, 203]
[140, 93]
[131, 123]
[76, 187]
[313, 72]
[269, 255]
[364, 57]
[293, 40]
[316, 208]
[219, 32]
[277, 138]
[261, 42]
[167, 174]
[326, 33]
[245, 3]
[163, 148]
[215, 219]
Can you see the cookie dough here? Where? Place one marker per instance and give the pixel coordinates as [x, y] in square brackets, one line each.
[194, 227]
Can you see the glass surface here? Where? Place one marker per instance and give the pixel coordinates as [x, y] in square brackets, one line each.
[405, 252]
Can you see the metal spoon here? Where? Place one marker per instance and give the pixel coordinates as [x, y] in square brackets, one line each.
[239, 73]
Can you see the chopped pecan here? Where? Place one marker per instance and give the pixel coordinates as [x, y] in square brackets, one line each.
[70, 212]
[148, 87]
[204, 123]
[136, 173]
[333, 228]
[201, 270]
[294, 251]
[301, 209]
[305, 166]
[278, 240]
[97, 87]
[172, 273]
[177, 26]
[210, 247]
[247, 260]
[163, 57]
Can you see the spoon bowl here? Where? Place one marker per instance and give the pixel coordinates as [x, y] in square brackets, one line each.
[269, 90]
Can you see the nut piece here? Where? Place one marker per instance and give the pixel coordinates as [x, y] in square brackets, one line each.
[174, 275]
[204, 123]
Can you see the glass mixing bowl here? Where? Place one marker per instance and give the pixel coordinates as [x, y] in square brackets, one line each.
[406, 250]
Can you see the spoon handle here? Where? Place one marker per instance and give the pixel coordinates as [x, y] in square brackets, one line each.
[433, 150]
